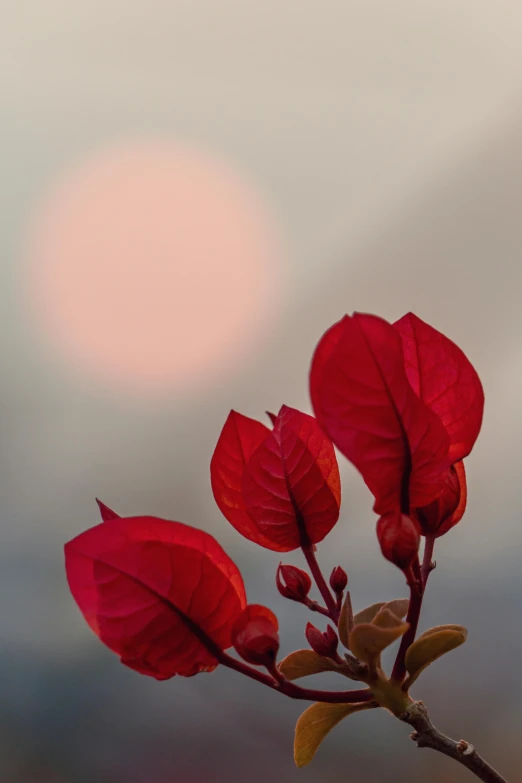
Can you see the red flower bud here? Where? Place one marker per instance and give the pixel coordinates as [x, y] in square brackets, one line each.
[255, 637]
[338, 580]
[322, 643]
[399, 537]
[293, 582]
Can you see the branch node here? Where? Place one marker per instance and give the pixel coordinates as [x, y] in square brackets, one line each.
[465, 748]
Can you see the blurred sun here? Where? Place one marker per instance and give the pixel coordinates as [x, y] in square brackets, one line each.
[153, 268]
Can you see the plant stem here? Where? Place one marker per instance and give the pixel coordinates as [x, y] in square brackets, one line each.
[290, 689]
[427, 558]
[414, 609]
[316, 607]
[417, 590]
[427, 736]
[308, 551]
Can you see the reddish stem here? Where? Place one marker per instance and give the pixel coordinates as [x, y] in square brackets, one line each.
[316, 607]
[417, 588]
[294, 691]
[427, 559]
[308, 551]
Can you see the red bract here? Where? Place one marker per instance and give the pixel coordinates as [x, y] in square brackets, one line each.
[364, 402]
[157, 593]
[445, 380]
[239, 438]
[399, 537]
[448, 508]
[291, 485]
[255, 635]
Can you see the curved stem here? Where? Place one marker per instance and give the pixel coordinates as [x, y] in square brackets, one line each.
[282, 685]
[308, 551]
[333, 697]
[427, 736]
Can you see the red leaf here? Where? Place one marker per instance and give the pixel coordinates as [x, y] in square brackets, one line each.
[291, 484]
[255, 636]
[106, 513]
[156, 592]
[444, 378]
[399, 537]
[239, 438]
[362, 399]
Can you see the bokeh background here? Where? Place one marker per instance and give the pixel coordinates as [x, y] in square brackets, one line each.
[192, 191]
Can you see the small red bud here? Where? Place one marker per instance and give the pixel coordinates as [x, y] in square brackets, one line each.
[255, 637]
[338, 580]
[322, 643]
[106, 513]
[399, 537]
[293, 582]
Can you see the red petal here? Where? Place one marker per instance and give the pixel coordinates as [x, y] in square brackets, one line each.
[106, 513]
[239, 438]
[291, 484]
[445, 380]
[457, 515]
[364, 402]
[150, 588]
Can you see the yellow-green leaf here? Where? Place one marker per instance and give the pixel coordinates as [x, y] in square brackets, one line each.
[432, 645]
[399, 607]
[367, 615]
[447, 627]
[315, 723]
[386, 619]
[367, 641]
[346, 622]
[304, 662]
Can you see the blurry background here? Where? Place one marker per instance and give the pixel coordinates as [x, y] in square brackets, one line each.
[192, 192]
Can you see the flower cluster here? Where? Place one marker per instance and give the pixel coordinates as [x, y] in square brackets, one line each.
[404, 405]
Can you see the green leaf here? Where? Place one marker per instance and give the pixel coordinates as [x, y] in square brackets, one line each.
[367, 641]
[346, 622]
[301, 663]
[315, 723]
[432, 645]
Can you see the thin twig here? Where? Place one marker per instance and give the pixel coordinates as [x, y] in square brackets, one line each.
[427, 559]
[412, 618]
[308, 551]
[289, 688]
[427, 736]
[417, 590]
